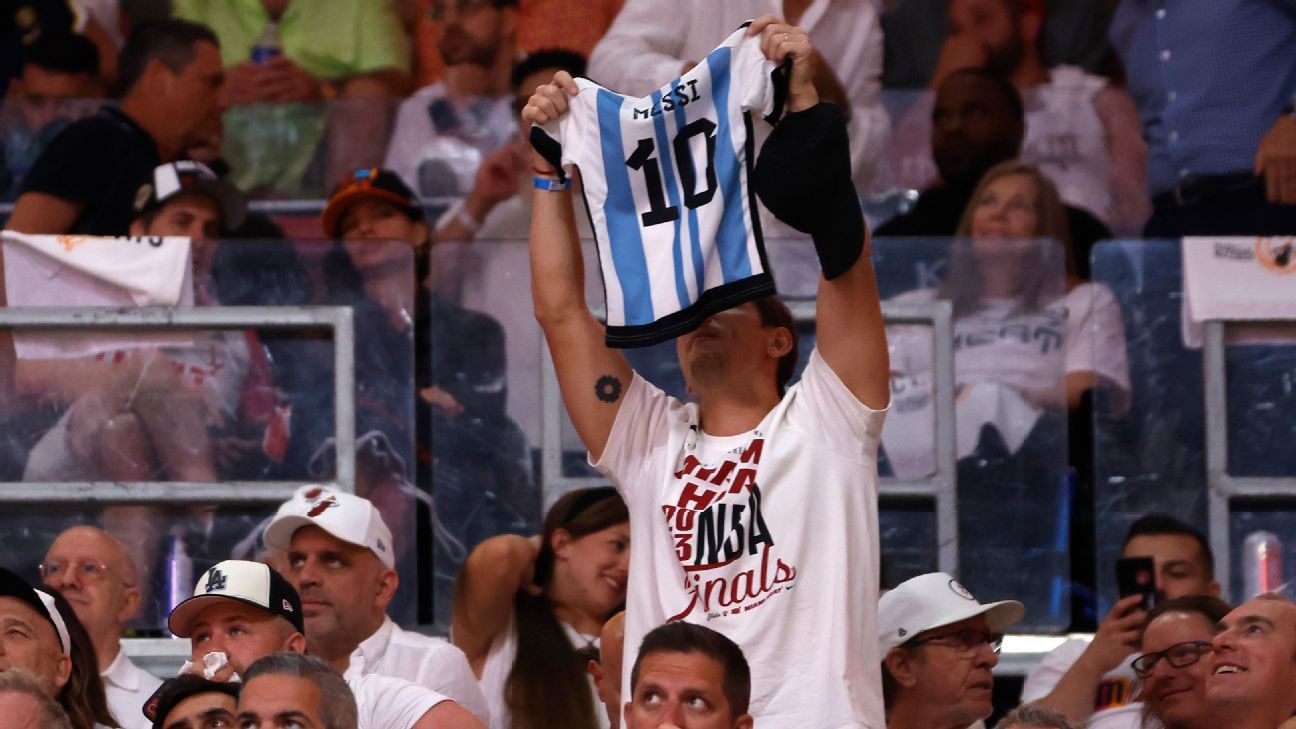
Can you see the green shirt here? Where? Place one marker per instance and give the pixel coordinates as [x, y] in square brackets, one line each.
[329, 39]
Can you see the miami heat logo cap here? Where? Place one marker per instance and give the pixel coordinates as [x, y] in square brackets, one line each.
[346, 516]
[250, 583]
[935, 600]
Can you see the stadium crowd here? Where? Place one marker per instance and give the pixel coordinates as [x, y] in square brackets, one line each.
[761, 602]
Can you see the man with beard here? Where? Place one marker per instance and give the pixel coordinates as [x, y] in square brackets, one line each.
[444, 130]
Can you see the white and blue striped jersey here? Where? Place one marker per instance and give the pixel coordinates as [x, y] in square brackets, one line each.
[666, 188]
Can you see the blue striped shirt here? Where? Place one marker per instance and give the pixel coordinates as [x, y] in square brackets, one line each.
[1210, 77]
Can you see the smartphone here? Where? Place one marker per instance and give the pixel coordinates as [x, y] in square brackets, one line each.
[1137, 576]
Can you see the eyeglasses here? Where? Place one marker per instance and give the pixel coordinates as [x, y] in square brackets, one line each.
[1179, 655]
[85, 570]
[966, 641]
[442, 10]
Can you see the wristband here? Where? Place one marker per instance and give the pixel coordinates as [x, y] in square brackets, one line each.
[465, 218]
[550, 185]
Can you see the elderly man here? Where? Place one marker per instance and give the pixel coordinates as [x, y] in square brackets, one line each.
[98, 577]
[24, 705]
[1252, 683]
[36, 636]
[341, 561]
[939, 646]
[192, 702]
[243, 611]
[689, 676]
[289, 687]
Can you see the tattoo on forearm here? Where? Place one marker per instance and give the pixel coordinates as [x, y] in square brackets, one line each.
[608, 389]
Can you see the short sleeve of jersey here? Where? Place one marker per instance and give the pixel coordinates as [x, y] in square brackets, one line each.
[641, 426]
[392, 703]
[826, 407]
[78, 164]
[754, 73]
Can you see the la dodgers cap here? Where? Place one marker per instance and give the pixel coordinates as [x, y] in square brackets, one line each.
[175, 690]
[346, 516]
[935, 600]
[250, 583]
[189, 177]
[12, 585]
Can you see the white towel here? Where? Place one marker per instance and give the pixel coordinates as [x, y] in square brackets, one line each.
[60, 270]
[1242, 277]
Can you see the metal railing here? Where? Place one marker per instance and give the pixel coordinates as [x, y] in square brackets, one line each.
[338, 319]
[938, 489]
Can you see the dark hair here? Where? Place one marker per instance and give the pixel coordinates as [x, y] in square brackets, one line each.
[547, 687]
[169, 41]
[50, 715]
[1002, 83]
[337, 704]
[1210, 607]
[82, 697]
[775, 313]
[1160, 525]
[681, 637]
[63, 53]
[173, 691]
[559, 58]
[1037, 717]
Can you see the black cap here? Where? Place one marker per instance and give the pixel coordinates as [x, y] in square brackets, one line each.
[250, 583]
[369, 183]
[175, 690]
[12, 585]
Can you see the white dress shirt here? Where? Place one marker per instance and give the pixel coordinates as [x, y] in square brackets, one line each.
[127, 687]
[420, 659]
[651, 40]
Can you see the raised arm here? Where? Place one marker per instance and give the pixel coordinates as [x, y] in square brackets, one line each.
[804, 176]
[484, 590]
[592, 376]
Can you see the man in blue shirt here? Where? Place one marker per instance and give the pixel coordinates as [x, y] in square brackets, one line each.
[1214, 81]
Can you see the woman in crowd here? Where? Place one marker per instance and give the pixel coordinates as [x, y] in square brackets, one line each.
[528, 612]
[1175, 662]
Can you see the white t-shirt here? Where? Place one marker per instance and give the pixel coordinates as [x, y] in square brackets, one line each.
[999, 352]
[420, 659]
[390, 703]
[438, 141]
[1114, 704]
[499, 663]
[769, 537]
[127, 687]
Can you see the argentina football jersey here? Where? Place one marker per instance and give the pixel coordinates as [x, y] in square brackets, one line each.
[666, 188]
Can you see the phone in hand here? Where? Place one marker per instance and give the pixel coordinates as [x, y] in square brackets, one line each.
[1137, 576]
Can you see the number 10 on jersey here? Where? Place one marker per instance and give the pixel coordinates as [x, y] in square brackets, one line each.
[644, 160]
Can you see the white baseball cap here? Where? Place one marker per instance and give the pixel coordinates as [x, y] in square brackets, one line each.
[935, 600]
[346, 516]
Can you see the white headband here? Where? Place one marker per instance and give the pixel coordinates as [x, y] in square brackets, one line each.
[57, 618]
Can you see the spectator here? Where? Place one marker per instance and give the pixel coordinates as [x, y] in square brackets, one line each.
[1081, 130]
[528, 612]
[499, 205]
[978, 121]
[98, 577]
[1221, 135]
[1074, 33]
[24, 26]
[939, 646]
[654, 41]
[339, 558]
[88, 179]
[444, 131]
[25, 706]
[606, 671]
[45, 640]
[1033, 717]
[60, 74]
[1252, 682]
[245, 611]
[192, 702]
[687, 675]
[291, 687]
[1175, 662]
[1090, 680]
[670, 460]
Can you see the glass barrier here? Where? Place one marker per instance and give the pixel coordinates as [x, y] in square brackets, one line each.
[1151, 458]
[215, 406]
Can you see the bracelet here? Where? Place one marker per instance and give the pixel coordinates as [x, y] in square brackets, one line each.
[551, 185]
[465, 218]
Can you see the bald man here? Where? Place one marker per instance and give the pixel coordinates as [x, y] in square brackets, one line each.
[607, 670]
[99, 579]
